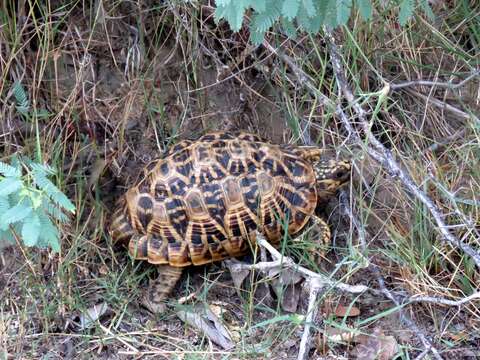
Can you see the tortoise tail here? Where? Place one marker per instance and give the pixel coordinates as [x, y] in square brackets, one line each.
[120, 228]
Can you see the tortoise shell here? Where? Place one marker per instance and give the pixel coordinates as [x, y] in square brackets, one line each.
[205, 199]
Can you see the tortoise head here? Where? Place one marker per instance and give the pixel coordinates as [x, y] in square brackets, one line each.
[330, 176]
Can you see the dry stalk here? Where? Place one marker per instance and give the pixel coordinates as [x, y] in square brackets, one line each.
[316, 288]
[448, 84]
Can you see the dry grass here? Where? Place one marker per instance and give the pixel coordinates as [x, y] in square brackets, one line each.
[112, 86]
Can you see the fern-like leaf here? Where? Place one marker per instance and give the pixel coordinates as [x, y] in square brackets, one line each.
[31, 230]
[406, 11]
[289, 28]
[48, 235]
[6, 237]
[309, 7]
[54, 211]
[232, 11]
[52, 191]
[263, 21]
[42, 168]
[4, 204]
[365, 8]
[21, 98]
[290, 8]
[308, 23]
[10, 185]
[14, 214]
[344, 7]
[259, 5]
[427, 9]
[9, 171]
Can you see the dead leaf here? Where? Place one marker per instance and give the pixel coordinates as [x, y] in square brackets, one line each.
[91, 315]
[376, 346]
[346, 311]
[202, 318]
[238, 275]
[340, 335]
[289, 295]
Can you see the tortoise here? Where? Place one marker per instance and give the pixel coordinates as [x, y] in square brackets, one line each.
[204, 200]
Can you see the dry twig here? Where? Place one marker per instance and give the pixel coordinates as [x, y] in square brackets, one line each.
[447, 84]
[317, 283]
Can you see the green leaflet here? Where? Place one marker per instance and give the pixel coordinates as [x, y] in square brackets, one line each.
[54, 211]
[309, 7]
[10, 185]
[31, 230]
[9, 171]
[263, 21]
[306, 15]
[309, 23]
[290, 8]
[365, 8]
[259, 5]
[52, 191]
[289, 28]
[427, 9]
[14, 214]
[30, 203]
[21, 98]
[344, 7]
[4, 204]
[232, 12]
[406, 11]
[48, 234]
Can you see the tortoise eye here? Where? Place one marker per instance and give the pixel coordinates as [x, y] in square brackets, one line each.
[340, 174]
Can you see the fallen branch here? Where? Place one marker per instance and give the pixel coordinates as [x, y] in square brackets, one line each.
[316, 288]
[443, 301]
[287, 263]
[447, 84]
[317, 284]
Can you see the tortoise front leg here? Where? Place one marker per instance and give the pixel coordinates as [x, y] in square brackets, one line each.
[159, 288]
[320, 236]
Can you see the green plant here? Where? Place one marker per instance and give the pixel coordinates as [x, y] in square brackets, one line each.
[304, 15]
[28, 203]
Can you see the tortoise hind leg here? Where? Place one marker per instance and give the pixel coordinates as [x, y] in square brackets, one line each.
[159, 288]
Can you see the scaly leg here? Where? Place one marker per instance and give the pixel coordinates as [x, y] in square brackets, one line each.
[159, 289]
[320, 236]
